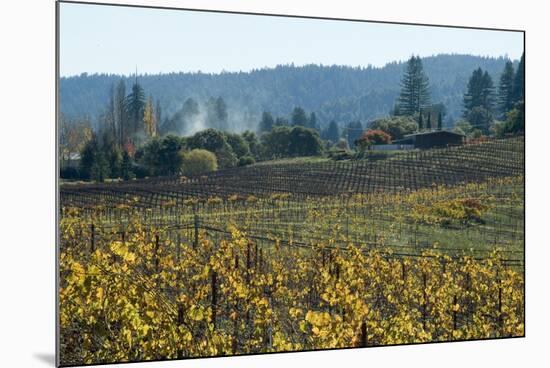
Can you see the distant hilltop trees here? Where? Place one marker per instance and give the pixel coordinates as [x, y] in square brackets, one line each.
[335, 93]
[136, 135]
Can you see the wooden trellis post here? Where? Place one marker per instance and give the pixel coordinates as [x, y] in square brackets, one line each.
[92, 237]
[196, 233]
[214, 302]
[363, 335]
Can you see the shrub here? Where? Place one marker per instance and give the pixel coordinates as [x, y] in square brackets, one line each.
[139, 172]
[372, 137]
[246, 160]
[70, 173]
[396, 126]
[198, 161]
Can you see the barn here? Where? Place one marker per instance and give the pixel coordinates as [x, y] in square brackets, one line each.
[438, 138]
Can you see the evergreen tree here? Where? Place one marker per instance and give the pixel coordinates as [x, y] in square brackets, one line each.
[488, 92]
[480, 118]
[216, 114]
[299, 117]
[420, 122]
[440, 121]
[135, 104]
[506, 89]
[353, 131]
[126, 170]
[480, 92]
[295, 86]
[267, 122]
[429, 122]
[333, 133]
[415, 93]
[221, 113]
[189, 114]
[93, 163]
[519, 81]
[312, 122]
[114, 157]
[182, 121]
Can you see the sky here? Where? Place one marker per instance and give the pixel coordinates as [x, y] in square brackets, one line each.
[117, 40]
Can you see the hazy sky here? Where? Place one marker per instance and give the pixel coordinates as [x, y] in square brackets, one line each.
[108, 39]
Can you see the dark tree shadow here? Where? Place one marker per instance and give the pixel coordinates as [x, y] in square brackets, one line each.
[47, 358]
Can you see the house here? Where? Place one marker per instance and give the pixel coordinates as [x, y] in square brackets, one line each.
[437, 138]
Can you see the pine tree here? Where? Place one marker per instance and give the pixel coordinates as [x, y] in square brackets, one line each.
[506, 89]
[135, 103]
[126, 171]
[488, 93]
[480, 92]
[420, 122]
[299, 117]
[221, 113]
[149, 118]
[440, 121]
[216, 114]
[429, 121]
[415, 93]
[519, 81]
[472, 97]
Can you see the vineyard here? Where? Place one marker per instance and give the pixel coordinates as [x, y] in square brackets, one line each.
[415, 247]
[406, 171]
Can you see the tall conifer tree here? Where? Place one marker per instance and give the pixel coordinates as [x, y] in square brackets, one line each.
[519, 81]
[480, 92]
[506, 89]
[415, 94]
[135, 105]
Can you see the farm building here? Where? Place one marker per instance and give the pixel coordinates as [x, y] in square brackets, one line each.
[438, 138]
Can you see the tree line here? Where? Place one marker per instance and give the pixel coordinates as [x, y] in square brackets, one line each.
[498, 110]
[339, 93]
[134, 139]
[487, 110]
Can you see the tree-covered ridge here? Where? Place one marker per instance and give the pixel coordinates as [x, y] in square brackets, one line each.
[339, 93]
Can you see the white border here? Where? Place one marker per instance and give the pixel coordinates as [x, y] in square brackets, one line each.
[27, 186]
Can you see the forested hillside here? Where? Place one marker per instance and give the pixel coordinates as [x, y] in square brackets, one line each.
[339, 93]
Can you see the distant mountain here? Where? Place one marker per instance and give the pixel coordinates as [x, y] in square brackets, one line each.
[339, 93]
